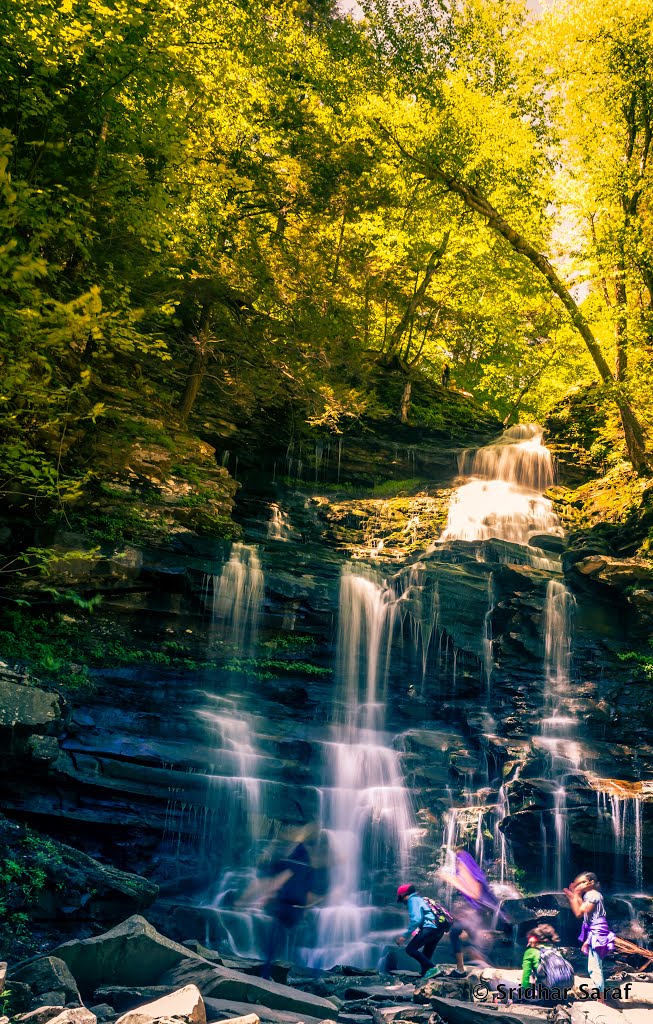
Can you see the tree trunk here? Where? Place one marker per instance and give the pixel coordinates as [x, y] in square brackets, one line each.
[198, 365]
[621, 323]
[419, 293]
[405, 402]
[476, 201]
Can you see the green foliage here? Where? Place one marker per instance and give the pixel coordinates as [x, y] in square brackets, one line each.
[63, 649]
[642, 660]
[391, 488]
[272, 668]
[214, 212]
[25, 862]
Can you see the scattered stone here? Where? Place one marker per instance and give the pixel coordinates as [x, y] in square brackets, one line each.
[248, 1018]
[131, 954]
[27, 709]
[74, 1015]
[123, 998]
[41, 1015]
[222, 983]
[391, 992]
[208, 954]
[226, 1009]
[186, 1004]
[21, 997]
[103, 1011]
[55, 997]
[48, 974]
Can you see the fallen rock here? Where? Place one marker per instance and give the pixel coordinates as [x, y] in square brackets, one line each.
[41, 1015]
[74, 1015]
[26, 709]
[196, 946]
[402, 993]
[123, 998]
[228, 1009]
[131, 954]
[21, 997]
[222, 983]
[185, 1004]
[55, 997]
[248, 1018]
[48, 974]
[103, 1011]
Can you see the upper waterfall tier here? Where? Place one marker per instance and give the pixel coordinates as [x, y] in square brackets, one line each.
[504, 497]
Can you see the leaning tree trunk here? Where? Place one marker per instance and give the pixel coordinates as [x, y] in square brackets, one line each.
[419, 293]
[475, 200]
[198, 366]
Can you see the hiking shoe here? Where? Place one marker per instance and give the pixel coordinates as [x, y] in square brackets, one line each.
[457, 974]
[432, 973]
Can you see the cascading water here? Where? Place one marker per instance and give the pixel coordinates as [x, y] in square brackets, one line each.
[504, 497]
[557, 729]
[488, 650]
[234, 790]
[279, 524]
[235, 596]
[365, 807]
[622, 813]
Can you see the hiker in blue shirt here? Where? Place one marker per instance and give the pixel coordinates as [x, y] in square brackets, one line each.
[425, 929]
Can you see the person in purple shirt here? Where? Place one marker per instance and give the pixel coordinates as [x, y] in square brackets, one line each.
[597, 940]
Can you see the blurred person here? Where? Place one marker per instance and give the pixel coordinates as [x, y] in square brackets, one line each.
[474, 912]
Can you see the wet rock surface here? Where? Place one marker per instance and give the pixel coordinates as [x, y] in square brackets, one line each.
[121, 770]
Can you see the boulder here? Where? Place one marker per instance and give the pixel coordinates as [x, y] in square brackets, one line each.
[103, 1011]
[27, 709]
[41, 1015]
[247, 1018]
[122, 998]
[93, 890]
[21, 997]
[220, 982]
[230, 1009]
[48, 974]
[131, 954]
[53, 997]
[74, 1015]
[185, 1004]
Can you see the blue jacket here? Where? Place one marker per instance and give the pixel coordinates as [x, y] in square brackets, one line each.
[420, 914]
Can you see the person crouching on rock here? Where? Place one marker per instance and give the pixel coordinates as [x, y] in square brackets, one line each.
[426, 926]
[544, 966]
[597, 940]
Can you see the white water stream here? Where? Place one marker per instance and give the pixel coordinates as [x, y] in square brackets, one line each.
[365, 807]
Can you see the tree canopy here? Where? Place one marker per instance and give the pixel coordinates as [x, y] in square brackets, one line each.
[266, 202]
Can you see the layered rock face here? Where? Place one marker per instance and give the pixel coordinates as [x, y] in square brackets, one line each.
[405, 695]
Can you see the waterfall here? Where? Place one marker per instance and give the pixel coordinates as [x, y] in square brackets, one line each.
[488, 651]
[557, 729]
[279, 523]
[504, 497]
[559, 609]
[366, 810]
[625, 814]
[234, 789]
[235, 596]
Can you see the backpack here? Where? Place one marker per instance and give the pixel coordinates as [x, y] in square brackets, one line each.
[443, 918]
[554, 970]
